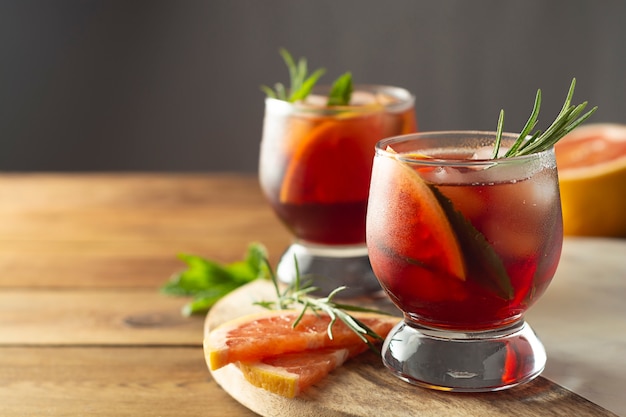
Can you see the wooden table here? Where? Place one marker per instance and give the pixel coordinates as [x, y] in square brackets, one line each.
[85, 331]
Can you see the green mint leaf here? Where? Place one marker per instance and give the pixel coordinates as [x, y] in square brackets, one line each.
[200, 275]
[204, 301]
[208, 281]
[251, 268]
[341, 91]
[482, 261]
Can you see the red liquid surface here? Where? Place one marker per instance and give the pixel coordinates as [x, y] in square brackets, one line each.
[519, 221]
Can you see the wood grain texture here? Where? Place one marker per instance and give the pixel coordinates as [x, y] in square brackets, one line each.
[110, 381]
[84, 330]
[363, 387]
[125, 230]
[95, 317]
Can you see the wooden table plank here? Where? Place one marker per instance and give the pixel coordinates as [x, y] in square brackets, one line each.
[110, 264]
[95, 317]
[111, 381]
[118, 231]
[84, 331]
[50, 191]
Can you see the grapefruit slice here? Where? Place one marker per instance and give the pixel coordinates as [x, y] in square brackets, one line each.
[258, 336]
[333, 162]
[405, 217]
[592, 177]
[292, 373]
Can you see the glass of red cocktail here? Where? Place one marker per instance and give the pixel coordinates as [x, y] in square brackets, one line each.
[315, 166]
[463, 244]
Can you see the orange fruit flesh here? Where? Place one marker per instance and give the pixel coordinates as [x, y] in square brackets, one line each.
[290, 374]
[592, 178]
[332, 163]
[255, 337]
[406, 218]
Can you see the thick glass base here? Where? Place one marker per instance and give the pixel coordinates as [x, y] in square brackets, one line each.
[464, 361]
[329, 267]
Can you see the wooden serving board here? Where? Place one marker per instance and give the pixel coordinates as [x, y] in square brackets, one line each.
[364, 387]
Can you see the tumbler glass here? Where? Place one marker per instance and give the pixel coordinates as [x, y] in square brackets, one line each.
[315, 166]
[463, 244]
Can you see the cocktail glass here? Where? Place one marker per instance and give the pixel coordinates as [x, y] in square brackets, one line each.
[463, 245]
[315, 166]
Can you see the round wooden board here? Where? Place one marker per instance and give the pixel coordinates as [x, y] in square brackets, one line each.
[363, 386]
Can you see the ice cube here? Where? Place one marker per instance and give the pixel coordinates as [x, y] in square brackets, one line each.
[316, 100]
[484, 152]
[443, 175]
[539, 192]
[362, 98]
[386, 99]
[512, 239]
[519, 213]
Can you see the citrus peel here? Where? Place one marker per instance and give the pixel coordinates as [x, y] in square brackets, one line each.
[290, 374]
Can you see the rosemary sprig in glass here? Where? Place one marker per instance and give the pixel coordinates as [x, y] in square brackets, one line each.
[302, 83]
[297, 293]
[567, 120]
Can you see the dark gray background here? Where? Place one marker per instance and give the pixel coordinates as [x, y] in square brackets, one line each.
[174, 85]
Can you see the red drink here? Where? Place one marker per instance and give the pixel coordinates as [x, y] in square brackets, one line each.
[464, 233]
[316, 161]
[463, 244]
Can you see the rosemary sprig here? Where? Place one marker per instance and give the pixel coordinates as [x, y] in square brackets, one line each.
[297, 293]
[567, 120]
[301, 83]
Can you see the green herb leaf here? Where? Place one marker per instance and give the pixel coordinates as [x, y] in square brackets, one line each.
[483, 262]
[341, 91]
[567, 120]
[207, 281]
[496, 148]
[301, 83]
[305, 88]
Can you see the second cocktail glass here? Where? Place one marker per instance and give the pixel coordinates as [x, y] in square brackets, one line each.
[315, 166]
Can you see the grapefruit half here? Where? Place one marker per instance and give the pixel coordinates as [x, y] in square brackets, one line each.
[591, 161]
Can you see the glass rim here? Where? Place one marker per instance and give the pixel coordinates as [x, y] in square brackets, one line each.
[382, 145]
[405, 100]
